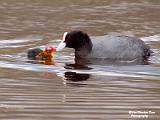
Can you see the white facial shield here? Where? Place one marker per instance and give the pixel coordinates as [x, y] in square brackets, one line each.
[62, 44]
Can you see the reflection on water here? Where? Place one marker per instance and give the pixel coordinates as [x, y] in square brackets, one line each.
[73, 76]
[45, 62]
[74, 79]
[68, 89]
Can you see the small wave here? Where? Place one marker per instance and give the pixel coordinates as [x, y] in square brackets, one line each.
[151, 38]
[19, 42]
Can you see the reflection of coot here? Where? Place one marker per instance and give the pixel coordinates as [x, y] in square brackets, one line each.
[73, 76]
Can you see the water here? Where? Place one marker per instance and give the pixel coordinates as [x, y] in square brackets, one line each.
[99, 91]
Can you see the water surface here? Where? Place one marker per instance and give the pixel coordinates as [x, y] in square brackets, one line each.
[64, 90]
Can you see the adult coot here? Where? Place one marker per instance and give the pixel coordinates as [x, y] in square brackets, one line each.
[113, 46]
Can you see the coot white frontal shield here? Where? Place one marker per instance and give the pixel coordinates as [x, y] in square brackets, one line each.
[62, 44]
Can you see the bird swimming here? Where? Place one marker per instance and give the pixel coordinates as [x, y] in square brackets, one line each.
[112, 46]
[109, 47]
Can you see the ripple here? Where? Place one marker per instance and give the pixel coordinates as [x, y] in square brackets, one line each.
[69, 91]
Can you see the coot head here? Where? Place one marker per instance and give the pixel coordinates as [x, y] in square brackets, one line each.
[79, 41]
[33, 52]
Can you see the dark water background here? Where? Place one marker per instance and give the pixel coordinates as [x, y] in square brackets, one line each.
[65, 91]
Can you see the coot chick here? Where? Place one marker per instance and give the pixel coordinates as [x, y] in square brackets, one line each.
[33, 53]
